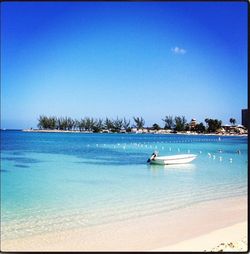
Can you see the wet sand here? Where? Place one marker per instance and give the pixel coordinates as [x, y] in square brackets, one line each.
[163, 231]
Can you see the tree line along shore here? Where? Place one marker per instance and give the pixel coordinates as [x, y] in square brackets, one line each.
[172, 124]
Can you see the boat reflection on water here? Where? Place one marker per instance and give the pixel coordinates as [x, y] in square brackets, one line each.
[180, 167]
[176, 167]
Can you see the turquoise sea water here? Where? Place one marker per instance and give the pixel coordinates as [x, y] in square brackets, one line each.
[57, 181]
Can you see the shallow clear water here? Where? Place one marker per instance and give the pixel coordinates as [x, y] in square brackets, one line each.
[56, 181]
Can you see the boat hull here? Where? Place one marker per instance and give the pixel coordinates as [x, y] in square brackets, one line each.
[175, 159]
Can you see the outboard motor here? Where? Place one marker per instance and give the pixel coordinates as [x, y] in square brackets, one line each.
[152, 157]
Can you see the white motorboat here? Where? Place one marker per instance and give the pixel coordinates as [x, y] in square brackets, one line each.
[171, 159]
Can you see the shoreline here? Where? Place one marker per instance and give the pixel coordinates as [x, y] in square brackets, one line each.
[155, 232]
[224, 239]
[178, 133]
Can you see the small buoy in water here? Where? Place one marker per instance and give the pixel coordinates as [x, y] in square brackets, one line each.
[238, 152]
[220, 150]
[230, 160]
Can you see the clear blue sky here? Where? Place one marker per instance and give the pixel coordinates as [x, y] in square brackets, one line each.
[124, 59]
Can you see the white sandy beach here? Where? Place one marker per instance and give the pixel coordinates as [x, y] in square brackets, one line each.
[232, 238]
[199, 227]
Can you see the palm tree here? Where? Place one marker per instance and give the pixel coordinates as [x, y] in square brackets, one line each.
[40, 124]
[169, 123]
[98, 125]
[89, 123]
[139, 122]
[45, 122]
[108, 124]
[118, 124]
[180, 123]
[82, 124]
[126, 124]
[64, 123]
[52, 122]
[76, 124]
[232, 121]
[70, 123]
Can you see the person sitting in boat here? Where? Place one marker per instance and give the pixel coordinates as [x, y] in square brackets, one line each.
[154, 154]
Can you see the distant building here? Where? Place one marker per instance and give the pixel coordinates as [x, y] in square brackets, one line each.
[244, 117]
[134, 130]
[192, 124]
[226, 127]
[122, 131]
